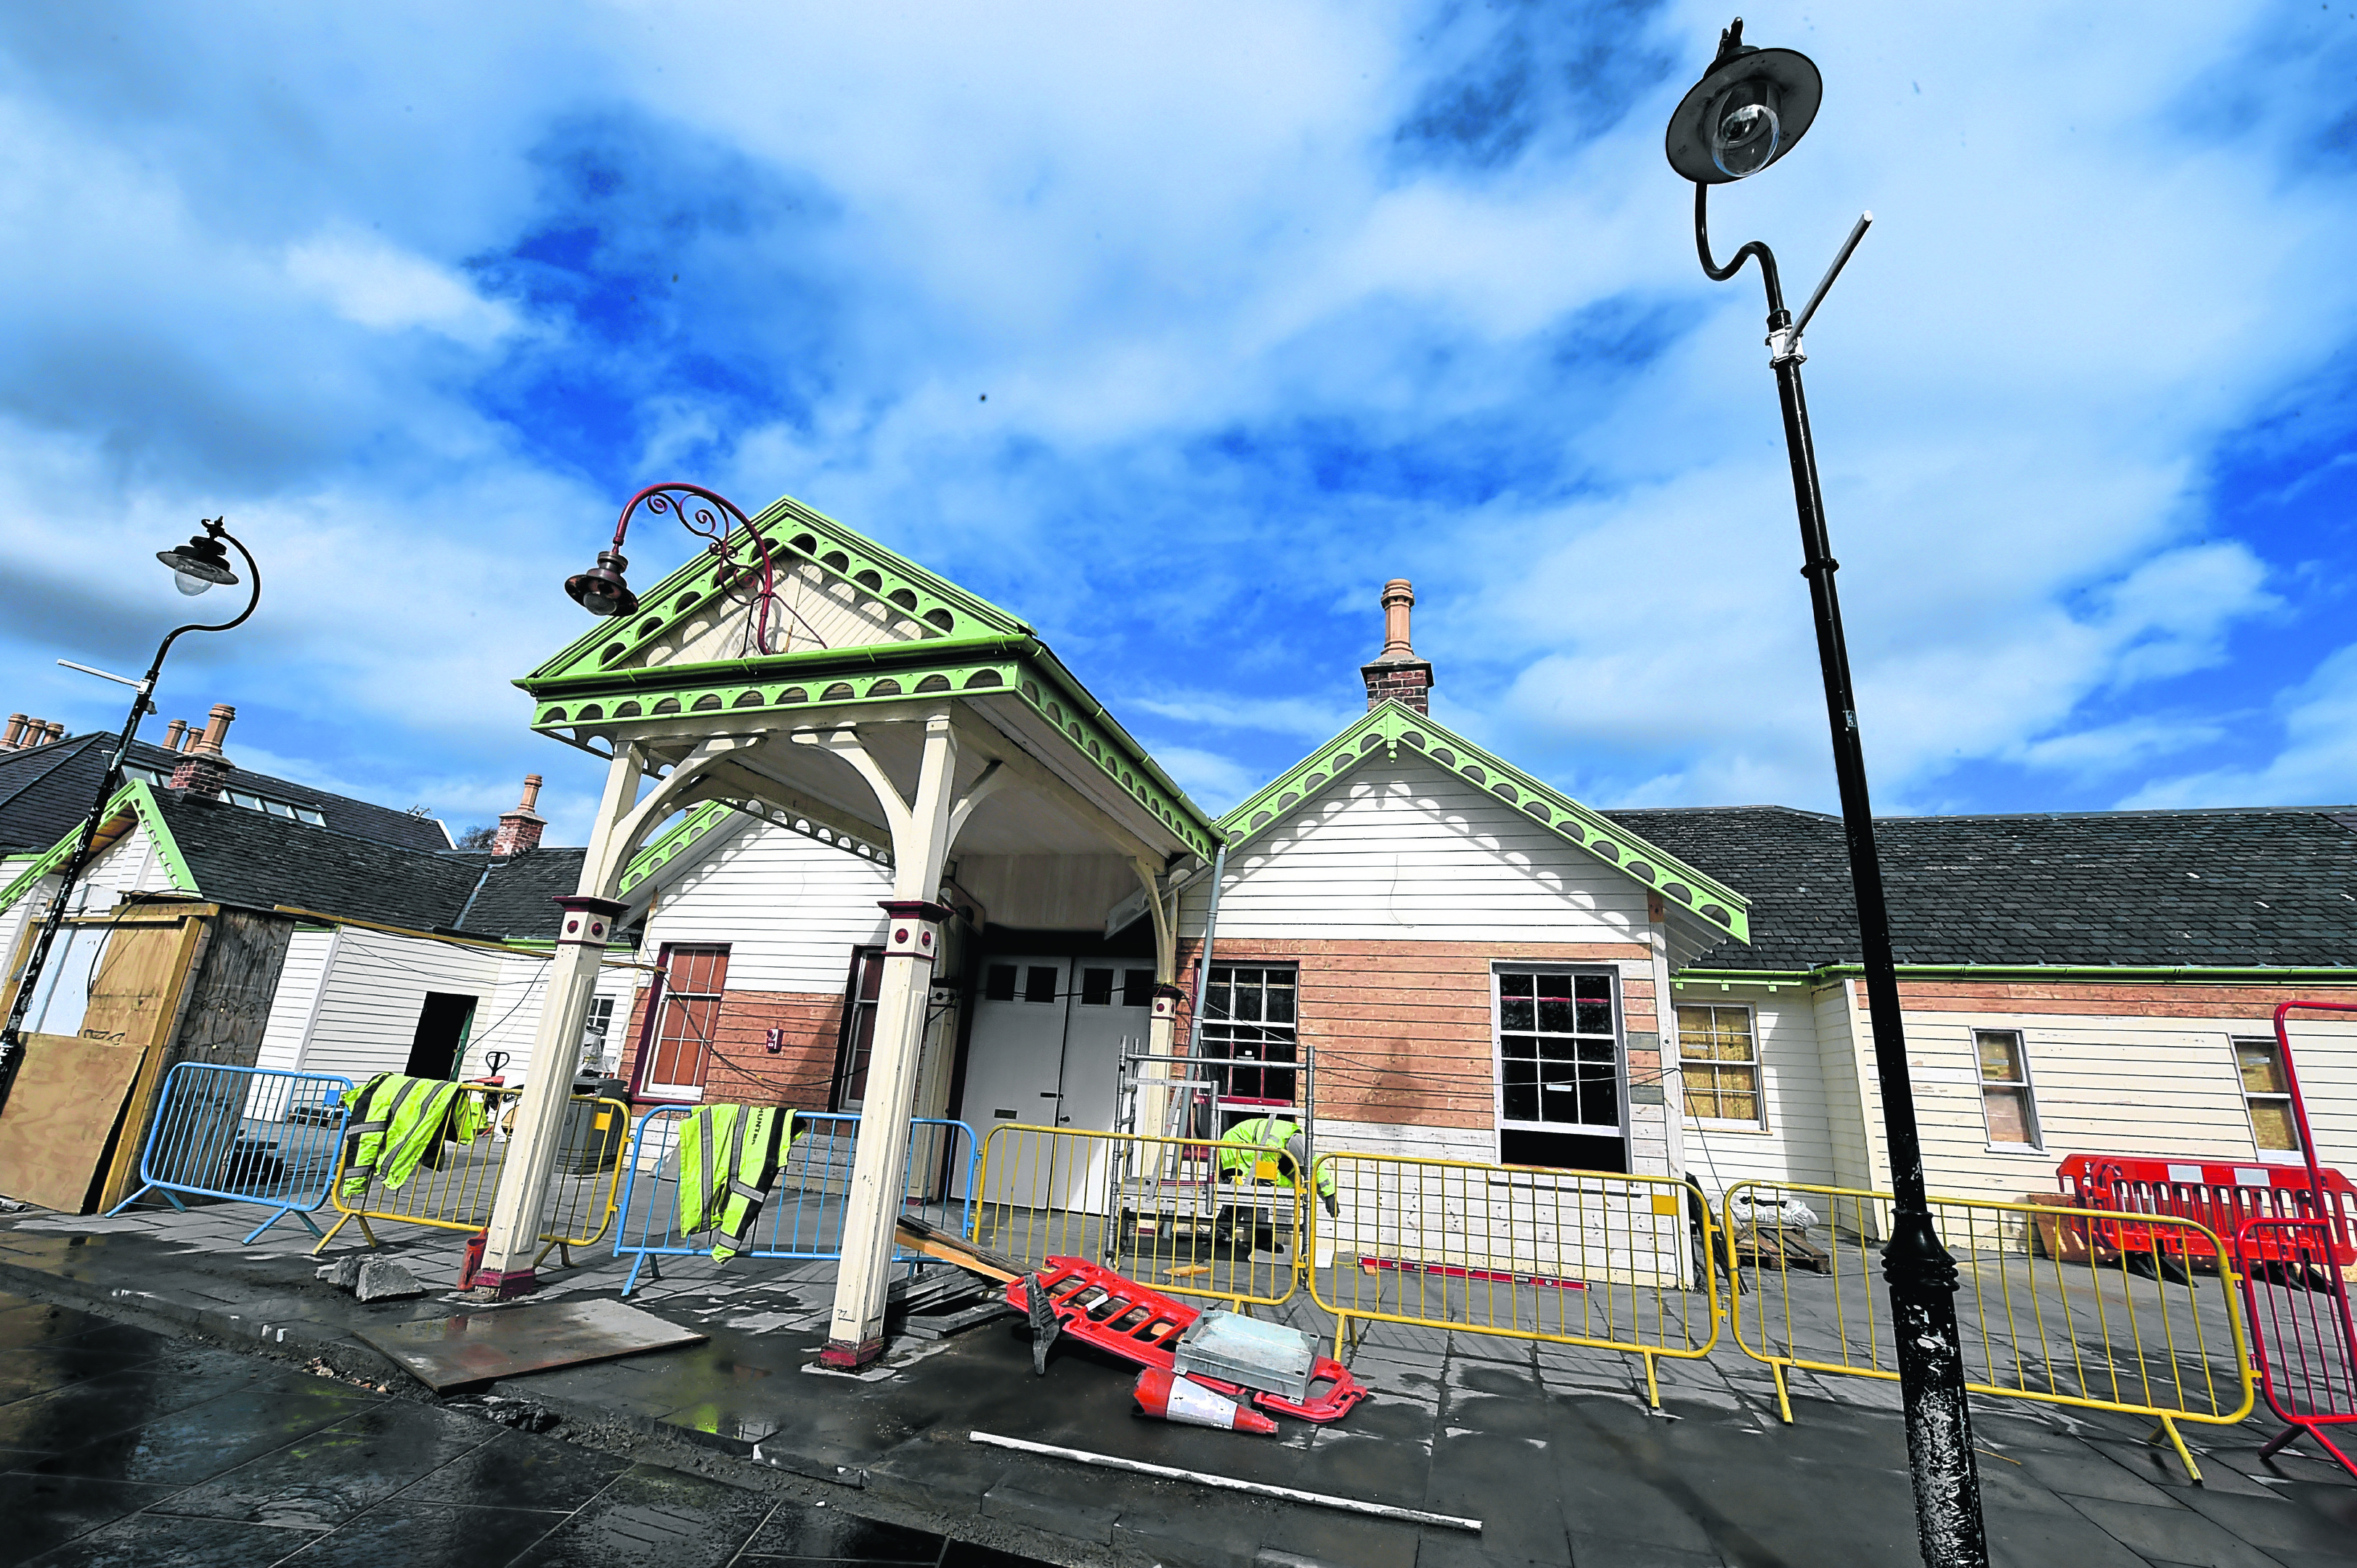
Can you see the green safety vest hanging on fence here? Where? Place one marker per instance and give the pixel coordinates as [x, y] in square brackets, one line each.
[396, 1120]
[1245, 1144]
[729, 1156]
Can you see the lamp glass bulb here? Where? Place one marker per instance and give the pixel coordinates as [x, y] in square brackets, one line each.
[190, 582]
[1745, 131]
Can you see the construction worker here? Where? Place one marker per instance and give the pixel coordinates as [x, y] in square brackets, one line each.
[729, 1156]
[1245, 1144]
[397, 1120]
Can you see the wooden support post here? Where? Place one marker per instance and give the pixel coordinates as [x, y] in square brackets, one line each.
[912, 940]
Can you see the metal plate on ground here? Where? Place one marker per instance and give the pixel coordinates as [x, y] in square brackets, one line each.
[1238, 1349]
[446, 1353]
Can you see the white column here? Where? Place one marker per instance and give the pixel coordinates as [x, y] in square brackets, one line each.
[588, 926]
[920, 840]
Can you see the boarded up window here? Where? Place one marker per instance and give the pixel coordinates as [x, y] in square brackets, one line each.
[2267, 1091]
[1718, 1059]
[2005, 1087]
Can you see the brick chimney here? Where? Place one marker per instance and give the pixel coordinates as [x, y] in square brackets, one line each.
[174, 734]
[16, 723]
[520, 830]
[1396, 674]
[205, 769]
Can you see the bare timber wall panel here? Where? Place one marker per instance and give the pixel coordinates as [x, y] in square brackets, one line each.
[61, 1114]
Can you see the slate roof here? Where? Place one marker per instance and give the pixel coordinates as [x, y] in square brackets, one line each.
[2262, 888]
[45, 792]
[242, 856]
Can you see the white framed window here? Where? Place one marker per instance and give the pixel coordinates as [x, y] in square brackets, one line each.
[1718, 1060]
[2266, 1093]
[1560, 1102]
[2006, 1099]
[1250, 1022]
[595, 1031]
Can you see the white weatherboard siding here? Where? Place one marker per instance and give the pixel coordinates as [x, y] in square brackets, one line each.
[790, 908]
[375, 990]
[1796, 1144]
[1845, 1061]
[308, 952]
[2125, 1085]
[1403, 850]
[130, 865]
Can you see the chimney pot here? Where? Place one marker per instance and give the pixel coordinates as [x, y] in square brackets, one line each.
[216, 731]
[1396, 674]
[520, 828]
[16, 732]
[57, 732]
[174, 734]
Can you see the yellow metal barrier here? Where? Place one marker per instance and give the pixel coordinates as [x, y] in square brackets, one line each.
[2120, 1324]
[1157, 1210]
[1568, 1257]
[453, 1188]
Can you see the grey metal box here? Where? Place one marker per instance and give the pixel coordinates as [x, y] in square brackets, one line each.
[1239, 1350]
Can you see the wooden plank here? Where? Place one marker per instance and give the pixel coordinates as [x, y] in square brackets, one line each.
[136, 980]
[229, 1007]
[163, 1022]
[61, 1113]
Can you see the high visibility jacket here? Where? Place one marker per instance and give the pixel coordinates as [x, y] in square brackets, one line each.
[729, 1156]
[1245, 1144]
[472, 1116]
[395, 1122]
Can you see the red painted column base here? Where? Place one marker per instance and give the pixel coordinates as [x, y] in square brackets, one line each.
[847, 1357]
[506, 1286]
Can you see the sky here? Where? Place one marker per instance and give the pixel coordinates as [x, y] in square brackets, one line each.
[1179, 330]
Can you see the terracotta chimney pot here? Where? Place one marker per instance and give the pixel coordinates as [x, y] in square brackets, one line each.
[1396, 674]
[174, 734]
[16, 723]
[520, 828]
[57, 732]
[216, 731]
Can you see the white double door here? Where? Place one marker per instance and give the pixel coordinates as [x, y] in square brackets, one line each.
[1046, 1051]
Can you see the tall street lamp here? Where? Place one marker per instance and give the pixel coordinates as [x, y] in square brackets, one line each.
[1745, 114]
[197, 567]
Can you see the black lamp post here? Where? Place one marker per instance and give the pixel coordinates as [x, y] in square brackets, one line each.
[1746, 112]
[196, 566]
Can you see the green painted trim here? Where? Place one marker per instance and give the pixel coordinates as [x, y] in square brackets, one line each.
[1394, 724]
[795, 532]
[831, 679]
[1825, 974]
[139, 796]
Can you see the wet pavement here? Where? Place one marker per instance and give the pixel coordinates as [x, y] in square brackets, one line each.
[123, 1446]
[1553, 1448]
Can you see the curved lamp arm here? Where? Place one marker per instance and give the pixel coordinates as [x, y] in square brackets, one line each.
[253, 598]
[1735, 264]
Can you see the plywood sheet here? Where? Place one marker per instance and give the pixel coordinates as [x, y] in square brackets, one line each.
[137, 987]
[61, 1113]
[446, 1353]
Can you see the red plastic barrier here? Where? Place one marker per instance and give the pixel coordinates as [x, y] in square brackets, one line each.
[2302, 1329]
[1117, 1314]
[2222, 1195]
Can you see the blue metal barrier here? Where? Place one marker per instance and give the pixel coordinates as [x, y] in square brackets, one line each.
[804, 1216]
[245, 1134]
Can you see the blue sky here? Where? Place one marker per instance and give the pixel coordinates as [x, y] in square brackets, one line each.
[1178, 331]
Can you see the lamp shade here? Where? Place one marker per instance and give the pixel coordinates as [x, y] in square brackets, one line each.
[197, 564]
[1746, 112]
[602, 589]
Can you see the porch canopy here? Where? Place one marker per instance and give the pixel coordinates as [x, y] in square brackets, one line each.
[897, 711]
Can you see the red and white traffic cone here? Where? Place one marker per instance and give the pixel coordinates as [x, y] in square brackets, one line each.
[1163, 1395]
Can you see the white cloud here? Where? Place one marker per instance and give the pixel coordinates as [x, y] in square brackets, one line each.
[2315, 765]
[388, 290]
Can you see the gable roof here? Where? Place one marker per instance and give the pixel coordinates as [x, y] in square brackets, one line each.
[912, 633]
[230, 854]
[2260, 887]
[46, 791]
[931, 605]
[1394, 726]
